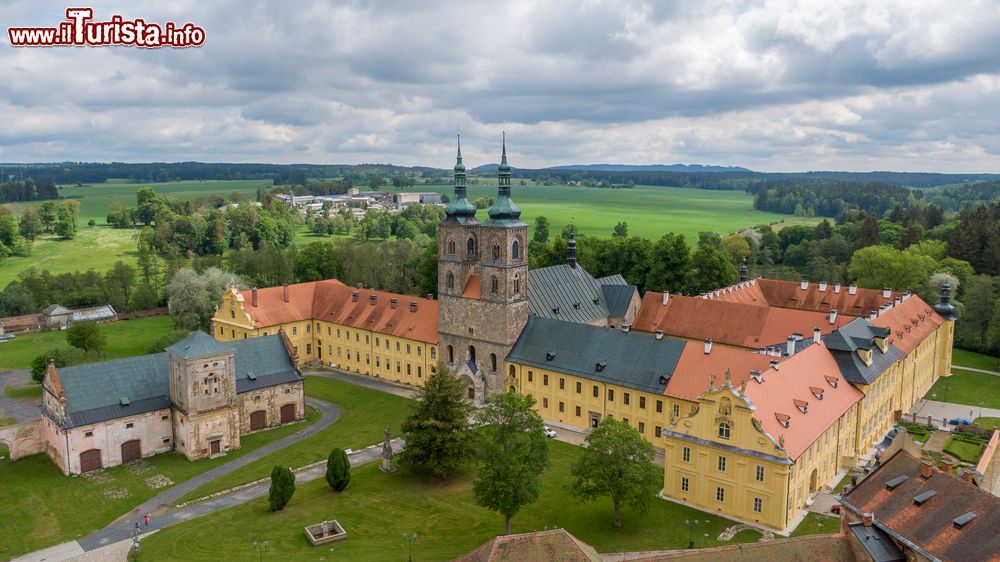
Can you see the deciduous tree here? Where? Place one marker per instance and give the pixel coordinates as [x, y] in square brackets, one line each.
[86, 336]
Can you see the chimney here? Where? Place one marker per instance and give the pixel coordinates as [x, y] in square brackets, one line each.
[790, 346]
[946, 465]
[666, 297]
[253, 297]
[867, 518]
[886, 292]
[872, 315]
[373, 298]
[817, 335]
[836, 288]
[286, 292]
[833, 316]
[354, 296]
[969, 475]
[822, 286]
[625, 328]
[926, 469]
[392, 302]
[430, 296]
[659, 334]
[413, 306]
[708, 346]
[804, 284]
[852, 289]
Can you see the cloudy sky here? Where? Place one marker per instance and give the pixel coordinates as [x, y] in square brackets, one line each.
[772, 85]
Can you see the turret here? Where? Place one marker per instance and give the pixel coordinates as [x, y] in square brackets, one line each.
[744, 272]
[571, 249]
[504, 212]
[460, 209]
[944, 306]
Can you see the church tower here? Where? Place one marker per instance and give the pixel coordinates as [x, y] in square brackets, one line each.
[483, 286]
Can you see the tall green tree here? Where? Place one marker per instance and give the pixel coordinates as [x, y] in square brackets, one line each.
[669, 262]
[980, 296]
[338, 470]
[317, 261]
[193, 297]
[617, 462]
[711, 268]
[120, 282]
[437, 433]
[282, 487]
[47, 214]
[30, 225]
[65, 225]
[621, 230]
[541, 232]
[511, 454]
[86, 336]
[883, 266]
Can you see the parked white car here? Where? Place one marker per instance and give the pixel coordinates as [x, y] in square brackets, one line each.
[549, 432]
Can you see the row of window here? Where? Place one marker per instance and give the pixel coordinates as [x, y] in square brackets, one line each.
[470, 249]
[720, 495]
[626, 396]
[721, 464]
[494, 284]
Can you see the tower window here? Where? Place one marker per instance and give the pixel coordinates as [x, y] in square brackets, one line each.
[517, 284]
[451, 247]
[496, 252]
[451, 354]
[515, 250]
[451, 280]
[470, 248]
[493, 361]
[494, 286]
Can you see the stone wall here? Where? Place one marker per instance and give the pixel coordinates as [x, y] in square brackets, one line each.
[271, 399]
[23, 439]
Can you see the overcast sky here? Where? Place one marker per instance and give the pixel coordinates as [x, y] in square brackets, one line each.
[910, 85]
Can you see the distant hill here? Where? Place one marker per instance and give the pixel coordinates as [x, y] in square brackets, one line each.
[628, 168]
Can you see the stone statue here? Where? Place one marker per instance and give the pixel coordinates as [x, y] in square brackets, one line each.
[711, 383]
[781, 441]
[729, 378]
[387, 465]
[743, 386]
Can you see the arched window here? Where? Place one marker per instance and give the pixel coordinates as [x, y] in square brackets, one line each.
[724, 430]
[496, 251]
[494, 286]
[470, 247]
[493, 361]
[512, 372]
[451, 280]
[472, 354]
[451, 247]
[517, 284]
[515, 251]
[451, 354]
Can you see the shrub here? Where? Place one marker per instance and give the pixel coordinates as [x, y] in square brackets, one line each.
[338, 470]
[61, 356]
[282, 487]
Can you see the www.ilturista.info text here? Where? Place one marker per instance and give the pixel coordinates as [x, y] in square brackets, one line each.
[79, 30]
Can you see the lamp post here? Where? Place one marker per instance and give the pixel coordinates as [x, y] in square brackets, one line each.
[690, 525]
[980, 409]
[409, 538]
[261, 547]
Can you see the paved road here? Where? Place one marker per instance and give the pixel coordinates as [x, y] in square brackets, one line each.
[21, 409]
[976, 370]
[160, 503]
[947, 410]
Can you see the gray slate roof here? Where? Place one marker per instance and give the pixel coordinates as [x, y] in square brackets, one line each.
[848, 339]
[95, 391]
[198, 344]
[877, 543]
[633, 359]
[566, 293]
[618, 298]
[56, 310]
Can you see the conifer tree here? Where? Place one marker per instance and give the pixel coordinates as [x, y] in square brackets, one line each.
[338, 470]
[282, 487]
[437, 433]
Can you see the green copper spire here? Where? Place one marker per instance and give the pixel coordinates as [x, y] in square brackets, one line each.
[460, 208]
[504, 212]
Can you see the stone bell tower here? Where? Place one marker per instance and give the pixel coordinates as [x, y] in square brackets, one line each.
[483, 287]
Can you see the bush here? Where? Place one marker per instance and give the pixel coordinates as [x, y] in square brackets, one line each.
[282, 487]
[61, 356]
[338, 470]
[166, 340]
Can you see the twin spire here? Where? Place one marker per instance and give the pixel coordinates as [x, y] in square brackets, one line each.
[503, 212]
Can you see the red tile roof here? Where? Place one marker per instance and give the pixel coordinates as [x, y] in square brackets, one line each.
[472, 290]
[790, 294]
[910, 321]
[332, 301]
[539, 546]
[814, 548]
[732, 323]
[695, 368]
[930, 526]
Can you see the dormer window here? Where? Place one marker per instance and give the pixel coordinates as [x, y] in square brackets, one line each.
[600, 366]
[817, 392]
[802, 405]
[833, 381]
[550, 355]
[783, 419]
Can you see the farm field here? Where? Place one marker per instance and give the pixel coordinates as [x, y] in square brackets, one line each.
[125, 338]
[650, 211]
[99, 247]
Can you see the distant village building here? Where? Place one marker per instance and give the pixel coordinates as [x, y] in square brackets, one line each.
[198, 398]
[403, 200]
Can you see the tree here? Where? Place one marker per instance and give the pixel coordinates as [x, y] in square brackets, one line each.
[47, 214]
[511, 452]
[282, 487]
[618, 463]
[317, 261]
[193, 297]
[65, 225]
[980, 296]
[166, 340]
[669, 263]
[541, 233]
[120, 282]
[30, 225]
[86, 336]
[882, 266]
[437, 432]
[60, 356]
[711, 269]
[867, 234]
[737, 247]
[338, 470]
[621, 230]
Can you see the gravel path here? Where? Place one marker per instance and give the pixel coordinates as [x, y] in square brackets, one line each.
[21, 409]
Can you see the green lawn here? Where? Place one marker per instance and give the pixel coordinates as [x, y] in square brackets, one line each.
[650, 211]
[963, 358]
[988, 422]
[364, 414]
[967, 387]
[33, 391]
[377, 509]
[124, 338]
[40, 507]
[964, 450]
[816, 523]
[99, 247]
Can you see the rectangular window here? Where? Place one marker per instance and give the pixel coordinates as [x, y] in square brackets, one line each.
[338, 332]
[720, 494]
[642, 402]
[685, 484]
[368, 359]
[625, 420]
[642, 427]
[530, 376]
[545, 402]
[545, 380]
[397, 346]
[357, 337]
[164, 418]
[88, 434]
[418, 350]
[676, 409]
[347, 334]
[433, 353]
[611, 395]
[329, 331]
[420, 371]
[579, 387]
[129, 425]
[308, 328]
[367, 341]
[686, 454]
[760, 473]
[758, 505]
[398, 368]
[659, 431]
[597, 391]
[562, 383]
[408, 369]
[309, 348]
[659, 406]
[577, 411]
[562, 406]
[407, 349]
[378, 342]
[625, 398]
[722, 464]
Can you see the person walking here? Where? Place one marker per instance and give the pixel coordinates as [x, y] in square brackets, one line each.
[146, 520]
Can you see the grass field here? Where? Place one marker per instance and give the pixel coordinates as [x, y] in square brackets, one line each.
[964, 450]
[967, 387]
[124, 338]
[816, 523]
[650, 211]
[40, 507]
[377, 509]
[963, 358]
[33, 391]
[364, 414]
[987, 422]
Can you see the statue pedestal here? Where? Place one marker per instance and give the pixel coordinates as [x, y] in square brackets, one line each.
[387, 466]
